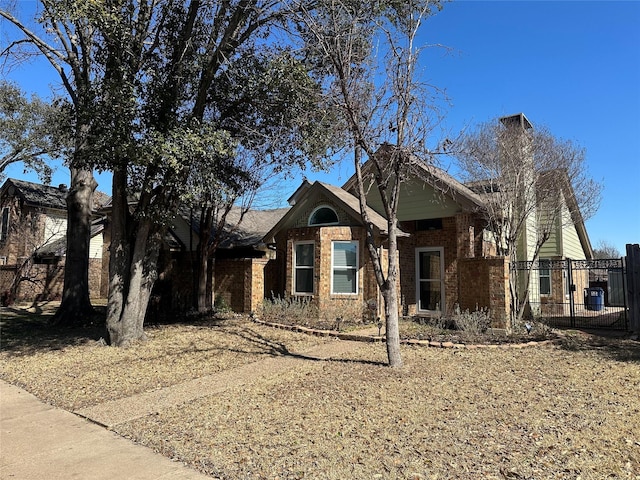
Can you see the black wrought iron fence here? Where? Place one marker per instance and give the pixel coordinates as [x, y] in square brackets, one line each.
[575, 293]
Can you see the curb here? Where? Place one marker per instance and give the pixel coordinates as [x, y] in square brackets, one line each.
[418, 343]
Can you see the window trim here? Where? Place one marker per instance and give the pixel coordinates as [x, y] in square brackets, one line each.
[356, 267]
[305, 267]
[420, 250]
[320, 207]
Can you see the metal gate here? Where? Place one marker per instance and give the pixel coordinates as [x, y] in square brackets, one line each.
[576, 293]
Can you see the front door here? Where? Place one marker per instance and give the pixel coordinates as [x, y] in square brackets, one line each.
[430, 279]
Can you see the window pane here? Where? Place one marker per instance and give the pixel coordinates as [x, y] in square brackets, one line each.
[304, 280]
[430, 296]
[344, 255]
[344, 281]
[545, 285]
[322, 216]
[304, 254]
[430, 266]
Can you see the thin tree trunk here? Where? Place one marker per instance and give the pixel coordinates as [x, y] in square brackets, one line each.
[76, 304]
[203, 304]
[204, 300]
[390, 295]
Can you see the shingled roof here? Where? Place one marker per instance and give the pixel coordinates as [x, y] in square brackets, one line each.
[254, 225]
[38, 195]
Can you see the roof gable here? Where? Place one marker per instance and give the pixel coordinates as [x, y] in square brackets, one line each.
[37, 195]
[427, 186]
[317, 192]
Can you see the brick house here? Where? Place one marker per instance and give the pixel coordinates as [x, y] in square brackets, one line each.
[444, 256]
[33, 223]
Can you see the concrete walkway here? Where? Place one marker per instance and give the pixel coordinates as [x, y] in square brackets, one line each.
[115, 412]
[38, 441]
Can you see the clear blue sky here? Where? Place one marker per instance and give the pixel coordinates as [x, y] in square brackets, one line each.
[573, 66]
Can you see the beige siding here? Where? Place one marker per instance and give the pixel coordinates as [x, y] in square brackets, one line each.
[417, 201]
[55, 227]
[571, 246]
[95, 246]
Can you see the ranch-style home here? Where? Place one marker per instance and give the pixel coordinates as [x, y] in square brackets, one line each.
[444, 258]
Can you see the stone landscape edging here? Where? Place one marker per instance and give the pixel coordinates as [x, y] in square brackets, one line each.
[381, 338]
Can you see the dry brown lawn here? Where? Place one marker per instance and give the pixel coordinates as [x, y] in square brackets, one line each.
[567, 411]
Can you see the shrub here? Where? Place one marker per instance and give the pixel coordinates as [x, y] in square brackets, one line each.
[220, 305]
[295, 310]
[474, 322]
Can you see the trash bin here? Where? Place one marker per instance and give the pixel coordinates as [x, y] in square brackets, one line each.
[594, 298]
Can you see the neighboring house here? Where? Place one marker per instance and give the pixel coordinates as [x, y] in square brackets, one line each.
[568, 241]
[33, 223]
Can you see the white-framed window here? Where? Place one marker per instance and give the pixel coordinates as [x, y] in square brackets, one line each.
[545, 277]
[303, 261]
[323, 215]
[430, 279]
[344, 267]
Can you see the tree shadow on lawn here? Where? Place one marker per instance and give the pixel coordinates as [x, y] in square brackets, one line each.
[26, 330]
[279, 349]
[613, 345]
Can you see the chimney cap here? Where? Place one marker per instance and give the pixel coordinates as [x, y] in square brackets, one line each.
[519, 119]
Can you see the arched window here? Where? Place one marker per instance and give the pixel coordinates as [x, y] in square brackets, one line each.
[323, 216]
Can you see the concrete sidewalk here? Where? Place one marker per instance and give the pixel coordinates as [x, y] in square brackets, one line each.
[38, 441]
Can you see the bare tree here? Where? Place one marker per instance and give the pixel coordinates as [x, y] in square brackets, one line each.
[371, 54]
[533, 184]
[606, 249]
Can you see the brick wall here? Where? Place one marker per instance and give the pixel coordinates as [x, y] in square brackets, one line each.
[323, 238]
[445, 238]
[484, 283]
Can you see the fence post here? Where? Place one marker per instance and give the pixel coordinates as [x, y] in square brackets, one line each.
[633, 287]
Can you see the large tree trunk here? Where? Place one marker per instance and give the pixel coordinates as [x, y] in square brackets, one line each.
[119, 254]
[128, 326]
[76, 305]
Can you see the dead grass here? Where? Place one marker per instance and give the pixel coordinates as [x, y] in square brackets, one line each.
[73, 368]
[565, 412]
